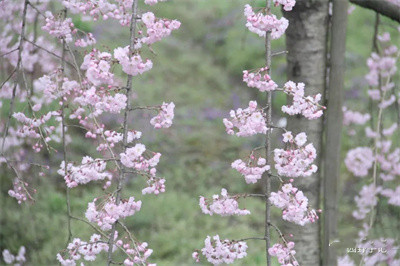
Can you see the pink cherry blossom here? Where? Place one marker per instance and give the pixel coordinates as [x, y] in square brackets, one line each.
[285, 254]
[132, 65]
[62, 29]
[17, 260]
[253, 170]
[256, 79]
[226, 251]
[224, 205]
[307, 106]
[260, 23]
[297, 160]
[156, 29]
[294, 205]
[287, 4]
[89, 170]
[105, 214]
[359, 161]
[164, 117]
[353, 117]
[249, 121]
[366, 200]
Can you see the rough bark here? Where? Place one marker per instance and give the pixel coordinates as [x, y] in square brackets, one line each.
[306, 45]
[333, 128]
[383, 7]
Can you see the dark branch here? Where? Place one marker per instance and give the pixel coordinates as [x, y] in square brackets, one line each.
[382, 7]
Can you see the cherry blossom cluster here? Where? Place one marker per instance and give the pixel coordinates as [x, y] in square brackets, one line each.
[97, 65]
[117, 9]
[383, 66]
[155, 186]
[307, 106]
[61, 29]
[366, 200]
[138, 253]
[132, 65]
[224, 205]
[353, 117]
[134, 158]
[253, 170]
[294, 205]
[157, 28]
[100, 101]
[164, 117]
[260, 23]
[89, 170]
[108, 212]
[287, 4]
[249, 121]
[19, 191]
[392, 195]
[153, 2]
[33, 128]
[17, 260]
[79, 249]
[359, 161]
[298, 159]
[226, 251]
[284, 253]
[263, 82]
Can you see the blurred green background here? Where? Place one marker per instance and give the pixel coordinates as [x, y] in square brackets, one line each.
[199, 68]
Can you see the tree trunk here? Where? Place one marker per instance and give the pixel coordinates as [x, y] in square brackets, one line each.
[333, 129]
[306, 40]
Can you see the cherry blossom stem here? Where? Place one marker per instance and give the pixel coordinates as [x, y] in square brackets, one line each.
[268, 146]
[121, 178]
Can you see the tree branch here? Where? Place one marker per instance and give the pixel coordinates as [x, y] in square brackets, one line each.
[382, 7]
[132, 31]
[267, 144]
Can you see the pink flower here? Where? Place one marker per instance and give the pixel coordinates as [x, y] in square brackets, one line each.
[132, 65]
[260, 24]
[226, 251]
[157, 28]
[305, 105]
[164, 117]
[359, 160]
[223, 205]
[251, 171]
[284, 253]
[111, 212]
[297, 160]
[294, 205]
[249, 121]
[263, 82]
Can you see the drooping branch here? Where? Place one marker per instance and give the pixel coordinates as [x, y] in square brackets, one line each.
[383, 7]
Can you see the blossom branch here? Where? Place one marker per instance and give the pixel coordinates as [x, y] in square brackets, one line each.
[128, 93]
